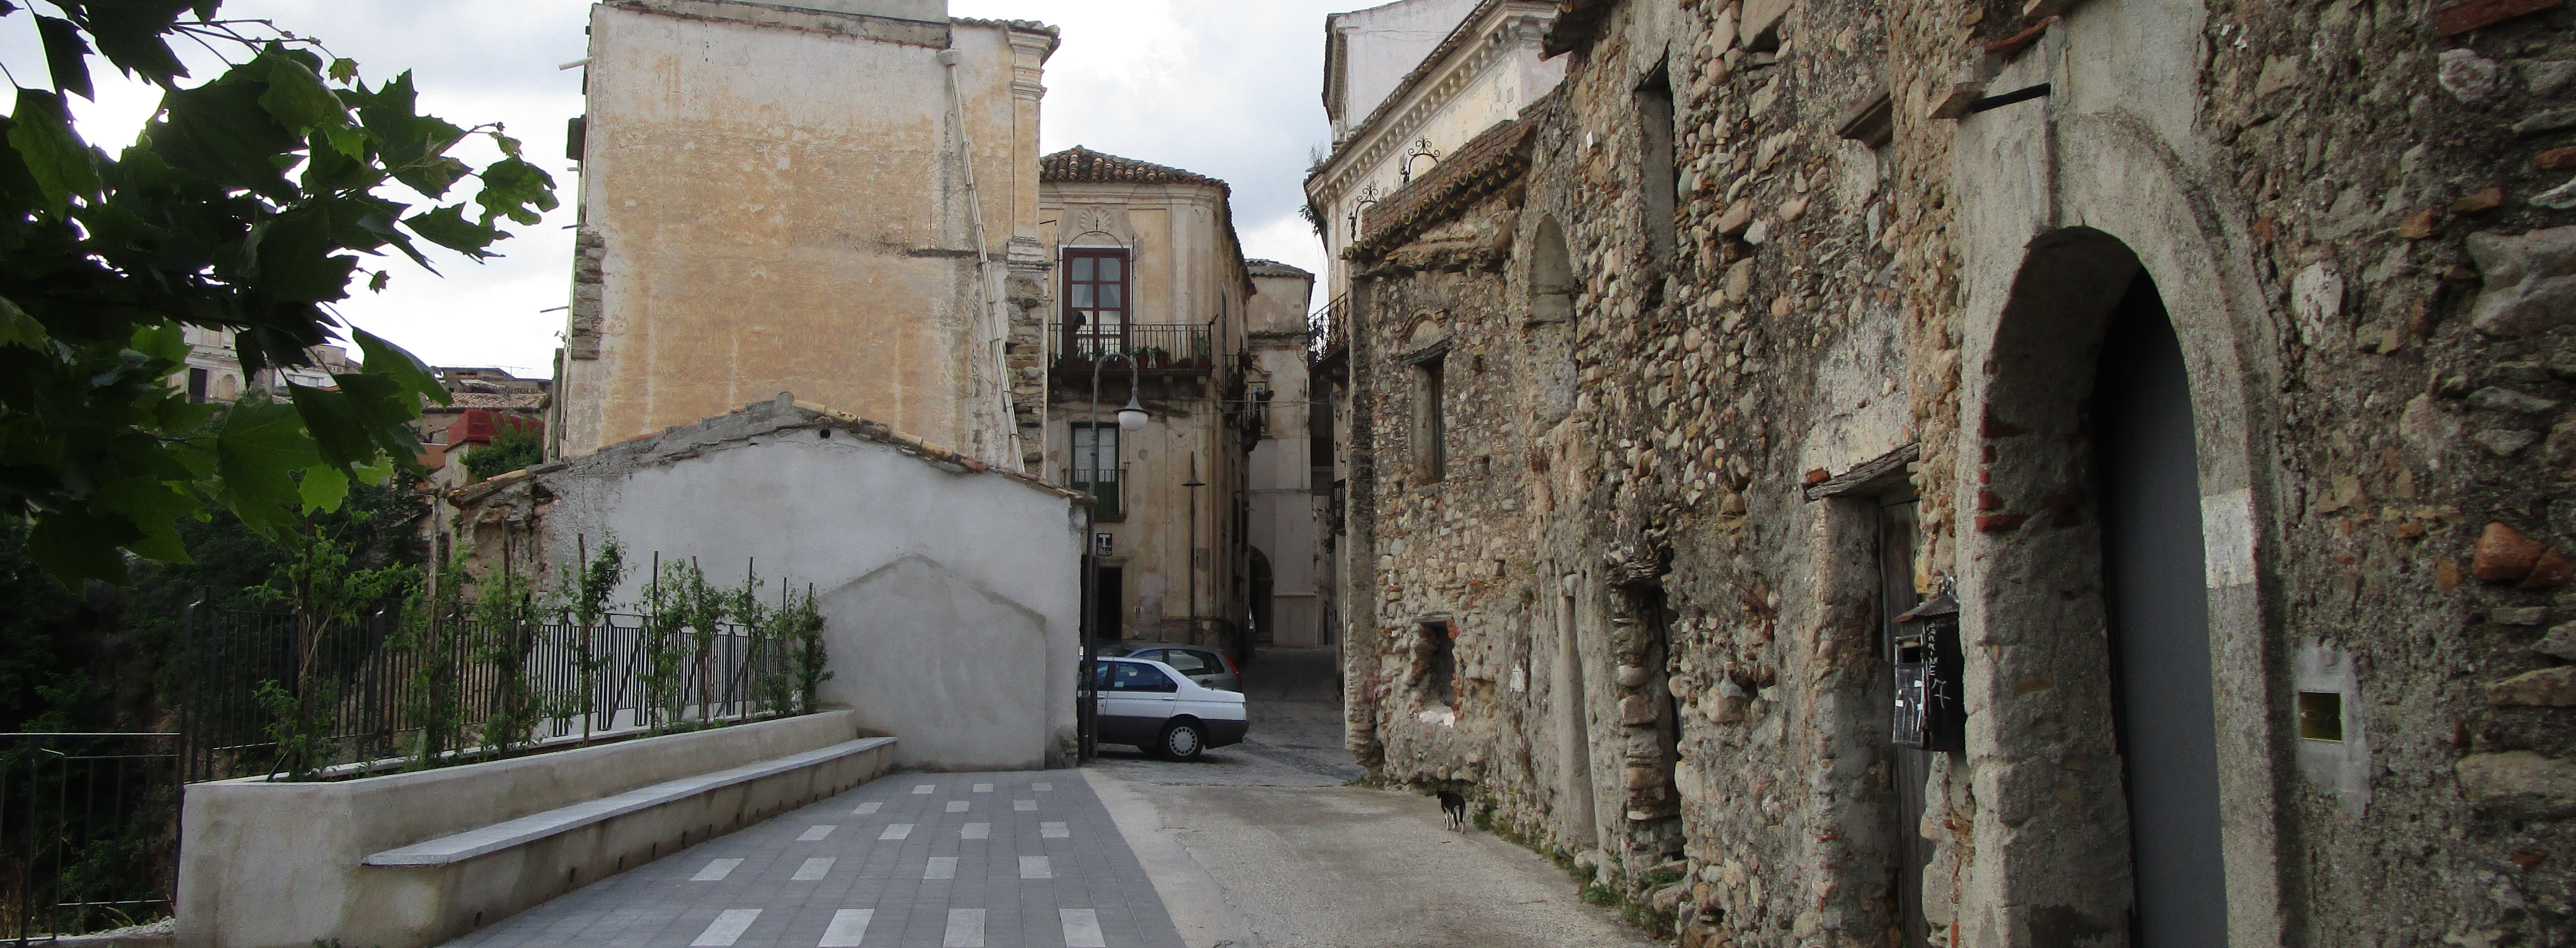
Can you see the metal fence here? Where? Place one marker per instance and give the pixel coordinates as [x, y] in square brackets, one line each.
[89, 832]
[1152, 345]
[387, 687]
[1327, 328]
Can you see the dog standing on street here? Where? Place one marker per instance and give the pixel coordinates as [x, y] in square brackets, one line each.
[1455, 806]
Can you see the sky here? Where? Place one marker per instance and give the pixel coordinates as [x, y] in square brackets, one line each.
[1226, 89]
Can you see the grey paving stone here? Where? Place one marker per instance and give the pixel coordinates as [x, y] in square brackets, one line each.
[669, 903]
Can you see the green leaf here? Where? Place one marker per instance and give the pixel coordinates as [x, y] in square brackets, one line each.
[323, 489]
[221, 133]
[155, 509]
[262, 443]
[295, 259]
[338, 425]
[376, 284]
[42, 136]
[344, 70]
[66, 55]
[19, 329]
[510, 186]
[297, 98]
[394, 362]
[74, 545]
[447, 227]
[129, 33]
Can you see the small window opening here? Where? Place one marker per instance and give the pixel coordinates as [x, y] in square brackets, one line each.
[1655, 129]
[1551, 276]
[1436, 651]
[1431, 423]
[2321, 716]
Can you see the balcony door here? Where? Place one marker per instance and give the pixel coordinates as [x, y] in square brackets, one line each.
[1095, 301]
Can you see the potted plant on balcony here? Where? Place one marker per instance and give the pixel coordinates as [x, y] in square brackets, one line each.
[1151, 357]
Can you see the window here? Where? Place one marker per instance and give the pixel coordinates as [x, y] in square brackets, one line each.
[1187, 662]
[1551, 276]
[1095, 466]
[1095, 301]
[1435, 649]
[196, 385]
[1655, 131]
[1130, 676]
[1430, 422]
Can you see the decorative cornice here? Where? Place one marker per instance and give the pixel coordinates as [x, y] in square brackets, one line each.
[1507, 25]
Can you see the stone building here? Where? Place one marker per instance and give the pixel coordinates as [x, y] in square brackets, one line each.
[781, 198]
[1146, 266]
[2214, 359]
[1286, 477]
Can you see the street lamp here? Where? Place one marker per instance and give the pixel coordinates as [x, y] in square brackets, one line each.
[1130, 418]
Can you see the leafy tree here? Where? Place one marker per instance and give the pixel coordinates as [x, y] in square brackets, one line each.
[512, 448]
[244, 207]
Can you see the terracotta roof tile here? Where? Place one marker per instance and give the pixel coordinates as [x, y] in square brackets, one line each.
[1079, 165]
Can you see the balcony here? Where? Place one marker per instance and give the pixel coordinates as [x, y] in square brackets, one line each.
[1328, 333]
[1160, 351]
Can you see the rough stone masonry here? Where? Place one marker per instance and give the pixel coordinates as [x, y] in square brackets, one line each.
[1780, 316]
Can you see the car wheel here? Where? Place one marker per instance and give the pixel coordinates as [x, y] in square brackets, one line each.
[1183, 740]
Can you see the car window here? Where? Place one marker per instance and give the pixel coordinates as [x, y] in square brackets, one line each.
[1133, 676]
[1188, 662]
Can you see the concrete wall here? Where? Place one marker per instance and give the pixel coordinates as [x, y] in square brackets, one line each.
[277, 865]
[950, 593]
[774, 200]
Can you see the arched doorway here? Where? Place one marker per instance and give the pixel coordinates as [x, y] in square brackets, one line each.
[2094, 610]
[2153, 570]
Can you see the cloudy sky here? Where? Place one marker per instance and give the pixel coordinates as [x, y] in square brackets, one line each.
[1227, 89]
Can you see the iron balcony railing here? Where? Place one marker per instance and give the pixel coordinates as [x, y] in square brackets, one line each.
[1102, 485]
[89, 833]
[1327, 329]
[1156, 347]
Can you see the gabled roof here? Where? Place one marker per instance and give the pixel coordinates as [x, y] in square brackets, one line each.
[1079, 165]
[1273, 268]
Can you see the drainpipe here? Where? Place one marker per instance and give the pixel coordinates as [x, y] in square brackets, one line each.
[991, 321]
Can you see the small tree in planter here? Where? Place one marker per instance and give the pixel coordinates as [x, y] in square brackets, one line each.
[800, 629]
[582, 600]
[664, 647]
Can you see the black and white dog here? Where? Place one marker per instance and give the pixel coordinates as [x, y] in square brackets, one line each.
[1455, 807]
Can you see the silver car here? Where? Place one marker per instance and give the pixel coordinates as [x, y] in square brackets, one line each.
[1209, 667]
[1149, 705]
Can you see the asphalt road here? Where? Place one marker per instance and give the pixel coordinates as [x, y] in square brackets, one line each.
[1263, 844]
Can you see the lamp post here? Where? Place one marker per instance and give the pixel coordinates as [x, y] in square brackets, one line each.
[1130, 418]
[1194, 484]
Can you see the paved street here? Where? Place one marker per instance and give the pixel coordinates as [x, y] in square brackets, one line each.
[1259, 844]
[948, 860]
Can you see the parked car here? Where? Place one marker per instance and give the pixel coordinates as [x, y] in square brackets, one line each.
[1207, 666]
[1153, 706]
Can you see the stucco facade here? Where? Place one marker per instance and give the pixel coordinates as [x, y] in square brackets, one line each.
[778, 198]
[1146, 266]
[2229, 415]
[948, 589]
[1393, 122]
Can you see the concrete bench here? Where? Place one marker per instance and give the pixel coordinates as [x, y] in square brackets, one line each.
[459, 847]
[414, 859]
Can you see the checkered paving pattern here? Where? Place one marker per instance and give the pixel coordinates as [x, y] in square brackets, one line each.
[986, 860]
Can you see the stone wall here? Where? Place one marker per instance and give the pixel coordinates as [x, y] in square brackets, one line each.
[1668, 657]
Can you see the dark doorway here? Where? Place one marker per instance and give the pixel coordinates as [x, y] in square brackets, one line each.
[1263, 631]
[1911, 768]
[2157, 599]
[1109, 604]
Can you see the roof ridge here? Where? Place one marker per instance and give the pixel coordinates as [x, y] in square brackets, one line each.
[1081, 165]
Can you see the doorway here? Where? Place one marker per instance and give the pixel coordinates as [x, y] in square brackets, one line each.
[1109, 603]
[2156, 597]
[1911, 768]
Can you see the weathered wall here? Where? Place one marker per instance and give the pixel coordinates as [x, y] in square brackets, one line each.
[774, 200]
[2375, 389]
[1188, 271]
[1280, 469]
[949, 591]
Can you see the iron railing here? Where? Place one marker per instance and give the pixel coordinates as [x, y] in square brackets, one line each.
[1164, 347]
[89, 832]
[384, 688]
[1327, 329]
